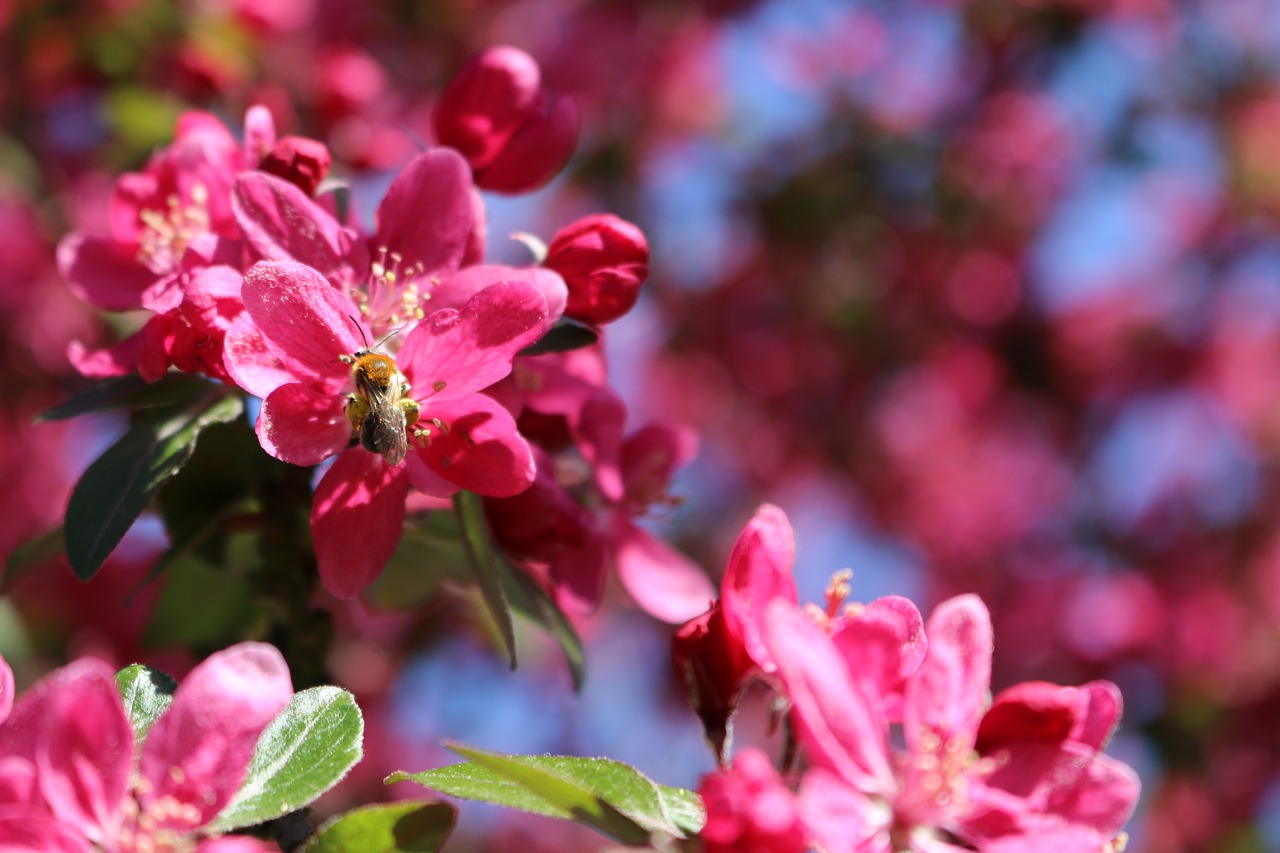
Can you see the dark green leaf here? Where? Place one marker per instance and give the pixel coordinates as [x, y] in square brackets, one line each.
[120, 483]
[608, 796]
[562, 337]
[407, 827]
[430, 552]
[529, 601]
[31, 555]
[147, 693]
[131, 393]
[484, 562]
[303, 753]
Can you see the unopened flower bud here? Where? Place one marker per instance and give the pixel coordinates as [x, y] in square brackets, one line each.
[301, 161]
[603, 260]
[515, 135]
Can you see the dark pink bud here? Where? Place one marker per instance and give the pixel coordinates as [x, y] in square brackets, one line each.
[300, 161]
[603, 260]
[515, 135]
[712, 670]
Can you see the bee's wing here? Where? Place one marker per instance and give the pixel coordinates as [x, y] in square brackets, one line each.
[384, 428]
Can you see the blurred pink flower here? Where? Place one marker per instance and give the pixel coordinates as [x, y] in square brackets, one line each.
[750, 809]
[67, 777]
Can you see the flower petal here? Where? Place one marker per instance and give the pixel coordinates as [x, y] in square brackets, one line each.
[454, 291]
[479, 447]
[947, 694]
[458, 352]
[103, 271]
[759, 570]
[307, 323]
[283, 224]
[836, 721]
[250, 362]
[198, 751]
[665, 583]
[425, 216]
[6, 689]
[84, 753]
[357, 517]
[302, 426]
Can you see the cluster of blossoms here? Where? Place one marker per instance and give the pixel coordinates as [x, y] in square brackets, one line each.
[76, 777]
[256, 276]
[891, 712]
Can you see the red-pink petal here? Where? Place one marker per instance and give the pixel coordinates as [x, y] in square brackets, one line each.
[759, 571]
[665, 583]
[307, 323]
[198, 751]
[947, 695]
[250, 362]
[454, 291]
[357, 516]
[536, 153]
[118, 360]
[452, 353]
[283, 224]
[578, 576]
[22, 831]
[650, 456]
[836, 721]
[103, 271]
[303, 426]
[425, 216]
[479, 449]
[883, 645]
[6, 690]
[427, 481]
[84, 753]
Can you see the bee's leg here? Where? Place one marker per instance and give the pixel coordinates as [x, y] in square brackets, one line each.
[410, 407]
[357, 410]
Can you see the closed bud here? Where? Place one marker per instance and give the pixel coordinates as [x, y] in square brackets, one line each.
[710, 667]
[603, 261]
[515, 135]
[301, 161]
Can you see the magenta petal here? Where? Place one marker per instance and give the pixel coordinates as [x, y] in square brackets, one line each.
[452, 353]
[235, 844]
[536, 153]
[884, 644]
[84, 753]
[837, 816]
[650, 456]
[947, 695]
[427, 481]
[103, 272]
[759, 570]
[250, 362]
[578, 576]
[1103, 705]
[18, 735]
[283, 224]
[303, 426]
[454, 291]
[357, 517]
[198, 751]
[22, 831]
[425, 216]
[307, 323]
[6, 690]
[836, 721]
[119, 360]
[597, 429]
[665, 583]
[479, 447]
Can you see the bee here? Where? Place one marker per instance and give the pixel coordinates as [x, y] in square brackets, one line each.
[380, 410]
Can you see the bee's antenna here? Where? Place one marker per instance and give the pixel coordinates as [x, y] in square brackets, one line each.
[360, 329]
[387, 338]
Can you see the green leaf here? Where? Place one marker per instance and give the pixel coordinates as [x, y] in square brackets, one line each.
[407, 827]
[531, 602]
[611, 797]
[131, 393]
[147, 693]
[562, 337]
[226, 605]
[31, 555]
[305, 751]
[484, 562]
[430, 553]
[117, 487]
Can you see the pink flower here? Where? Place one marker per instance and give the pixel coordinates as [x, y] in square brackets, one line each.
[463, 439]
[67, 778]
[603, 261]
[301, 161]
[183, 196]
[1036, 780]
[514, 134]
[749, 809]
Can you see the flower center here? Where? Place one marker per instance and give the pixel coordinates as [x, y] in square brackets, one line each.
[167, 233]
[393, 293]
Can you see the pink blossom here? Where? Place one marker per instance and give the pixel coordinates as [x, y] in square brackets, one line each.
[67, 780]
[603, 260]
[463, 439]
[750, 809]
[1027, 772]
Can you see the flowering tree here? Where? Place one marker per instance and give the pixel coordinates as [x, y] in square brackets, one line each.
[981, 292]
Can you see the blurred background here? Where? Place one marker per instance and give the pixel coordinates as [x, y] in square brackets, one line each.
[984, 293]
